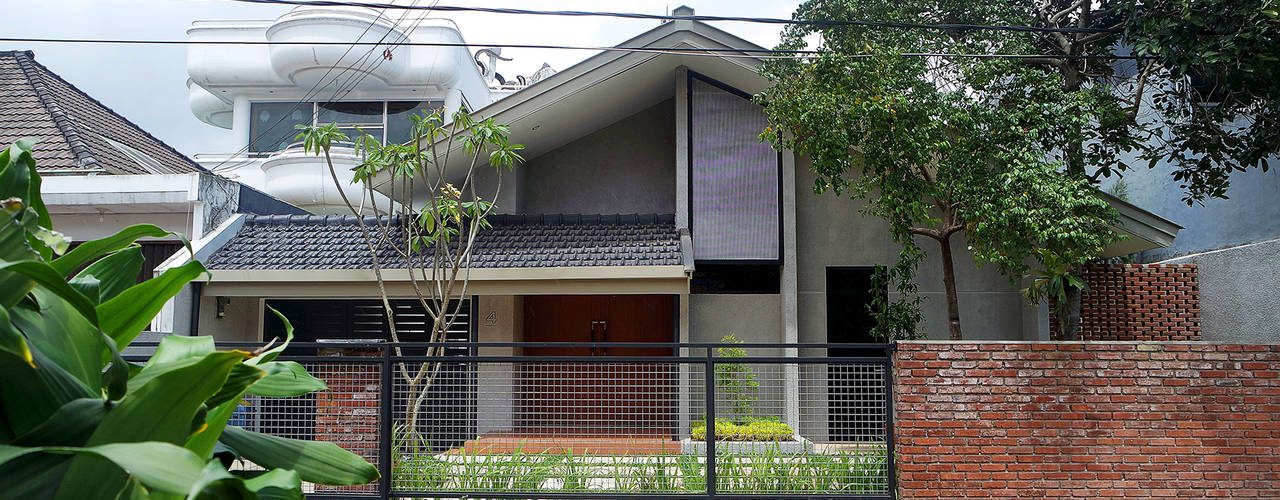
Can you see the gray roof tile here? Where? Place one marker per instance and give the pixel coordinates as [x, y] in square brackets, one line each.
[515, 241]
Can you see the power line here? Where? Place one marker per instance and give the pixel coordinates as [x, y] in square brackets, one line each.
[691, 51]
[660, 17]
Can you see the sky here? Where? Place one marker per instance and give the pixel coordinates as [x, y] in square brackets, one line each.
[147, 83]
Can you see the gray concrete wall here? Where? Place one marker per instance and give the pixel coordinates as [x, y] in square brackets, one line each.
[242, 322]
[1239, 293]
[750, 318]
[626, 167]
[1249, 215]
[831, 232]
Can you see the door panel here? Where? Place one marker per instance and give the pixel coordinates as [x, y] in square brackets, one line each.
[598, 394]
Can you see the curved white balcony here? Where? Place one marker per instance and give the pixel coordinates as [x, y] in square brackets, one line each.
[208, 107]
[308, 64]
[303, 179]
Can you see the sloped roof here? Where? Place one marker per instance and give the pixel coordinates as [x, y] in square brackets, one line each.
[313, 242]
[77, 133]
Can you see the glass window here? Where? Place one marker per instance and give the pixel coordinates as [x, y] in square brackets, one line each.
[271, 128]
[734, 178]
[353, 118]
[399, 126]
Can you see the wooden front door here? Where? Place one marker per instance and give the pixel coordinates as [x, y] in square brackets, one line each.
[598, 394]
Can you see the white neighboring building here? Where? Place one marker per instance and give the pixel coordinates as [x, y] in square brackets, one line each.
[261, 92]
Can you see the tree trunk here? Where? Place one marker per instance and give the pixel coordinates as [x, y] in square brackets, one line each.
[949, 282]
[1071, 321]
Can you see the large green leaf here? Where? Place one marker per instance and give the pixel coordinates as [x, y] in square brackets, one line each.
[45, 276]
[62, 334]
[160, 410]
[12, 340]
[276, 484]
[71, 425]
[127, 314]
[286, 379]
[161, 466]
[86, 252]
[116, 272]
[242, 376]
[271, 354]
[216, 483]
[179, 347]
[317, 462]
[28, 396]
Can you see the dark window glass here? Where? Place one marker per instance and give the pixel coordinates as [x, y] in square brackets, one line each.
[354, 118]
[736, 279]
[734, 177]
[399, 126]
[272, 126]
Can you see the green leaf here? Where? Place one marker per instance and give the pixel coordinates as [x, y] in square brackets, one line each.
[116, 272]
[216, 483]
[70, 425]
[62, 334]
[86, 252]
[285, 379]
[162, 466]
[12, 341]
[133, 490]
[179, 347]
[272, 353]
[160, 410]
[47, 277]
[127, 314]
[242, 376]
[28, 396]
[276, 484]
[316, 462]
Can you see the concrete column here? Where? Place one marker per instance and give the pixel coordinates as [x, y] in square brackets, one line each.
[686, 371]
[682, 148]
[240, 120]
[452, 101]
[790, 291]
[498, 321]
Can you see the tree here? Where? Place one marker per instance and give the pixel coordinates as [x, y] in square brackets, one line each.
[938, 145]
[77, 421]
[435, 236]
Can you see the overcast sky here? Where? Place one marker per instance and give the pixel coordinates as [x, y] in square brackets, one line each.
[146, 83]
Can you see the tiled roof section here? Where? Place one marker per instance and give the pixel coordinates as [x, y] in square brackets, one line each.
[514, 241]
[74, 128]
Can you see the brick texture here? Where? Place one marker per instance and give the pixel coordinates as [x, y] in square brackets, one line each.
[347, 413]
[1139, 302]
[1087, 420]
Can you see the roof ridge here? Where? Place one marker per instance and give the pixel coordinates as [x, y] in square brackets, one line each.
[495, 219]
[30, 60]
[63, 121]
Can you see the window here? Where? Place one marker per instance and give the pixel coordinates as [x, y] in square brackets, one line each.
[745, 278]
[273, 124]
[733, 177]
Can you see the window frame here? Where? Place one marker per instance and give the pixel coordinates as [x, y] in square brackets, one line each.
[315, 119]
[690, 76]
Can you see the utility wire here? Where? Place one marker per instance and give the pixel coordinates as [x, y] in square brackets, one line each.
[634, 15]
[691, 51]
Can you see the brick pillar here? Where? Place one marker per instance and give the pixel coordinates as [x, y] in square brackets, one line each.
[347, 414]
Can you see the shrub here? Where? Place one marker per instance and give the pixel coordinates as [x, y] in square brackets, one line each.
[77, 421]
[763, 429]
[737, 380]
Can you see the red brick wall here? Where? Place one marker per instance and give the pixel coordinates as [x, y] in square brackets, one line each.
[1139, 302]
[1087, 420]
[347, 413]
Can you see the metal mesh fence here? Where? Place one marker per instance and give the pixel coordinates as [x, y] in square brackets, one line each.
[490, 420]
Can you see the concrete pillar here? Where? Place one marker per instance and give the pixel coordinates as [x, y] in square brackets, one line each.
[790, 291]
[240, 120]
[499, 320]
[682, 148]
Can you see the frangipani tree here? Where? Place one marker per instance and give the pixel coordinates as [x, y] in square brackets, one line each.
[431, 224]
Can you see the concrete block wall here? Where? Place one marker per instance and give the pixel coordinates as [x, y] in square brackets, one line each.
[1124, 302]
[1087, 420]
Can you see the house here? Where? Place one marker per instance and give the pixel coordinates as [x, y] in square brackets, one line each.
[647, 211]
[1233, 243]
[103, 173]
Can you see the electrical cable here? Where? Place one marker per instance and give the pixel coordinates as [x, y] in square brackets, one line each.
[634, 15]
[691, 51]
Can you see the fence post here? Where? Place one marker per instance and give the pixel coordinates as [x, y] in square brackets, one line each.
[891, 455]
[710, 438]
[386, 394]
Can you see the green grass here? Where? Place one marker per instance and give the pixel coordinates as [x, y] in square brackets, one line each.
[860, 471]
